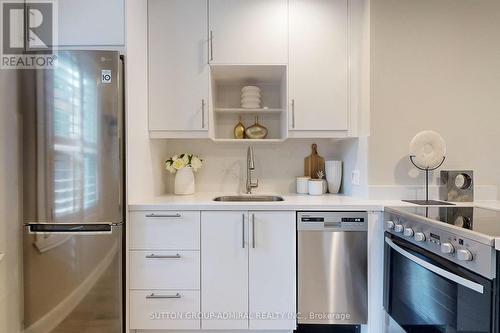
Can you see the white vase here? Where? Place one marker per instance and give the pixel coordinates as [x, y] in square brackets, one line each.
[184, 181]
[333, 175]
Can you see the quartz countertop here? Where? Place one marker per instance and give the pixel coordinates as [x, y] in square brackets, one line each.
[204, 201]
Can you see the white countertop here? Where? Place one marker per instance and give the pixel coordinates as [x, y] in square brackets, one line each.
[204, 201]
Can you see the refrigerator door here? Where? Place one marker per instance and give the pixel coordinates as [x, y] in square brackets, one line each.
[72, 139]
[73, 278]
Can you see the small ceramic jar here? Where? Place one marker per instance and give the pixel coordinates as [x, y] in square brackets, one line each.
[303, 185]
[316, 186]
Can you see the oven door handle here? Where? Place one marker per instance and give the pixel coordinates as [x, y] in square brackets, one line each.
[437, 270]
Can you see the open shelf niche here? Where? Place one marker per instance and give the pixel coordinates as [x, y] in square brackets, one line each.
[226, 84]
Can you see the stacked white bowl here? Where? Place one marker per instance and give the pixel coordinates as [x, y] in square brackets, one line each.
[250, 97]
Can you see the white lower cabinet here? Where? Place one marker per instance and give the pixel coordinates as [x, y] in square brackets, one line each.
[235, 268]
[165, 230]
[224, 269]
[272, 268]
[164, 309]
[248, 270]
[164, 270]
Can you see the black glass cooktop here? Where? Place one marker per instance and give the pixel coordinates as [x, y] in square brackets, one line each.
[485, 221]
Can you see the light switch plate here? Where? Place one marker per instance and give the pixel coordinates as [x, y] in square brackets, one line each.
[355, 177]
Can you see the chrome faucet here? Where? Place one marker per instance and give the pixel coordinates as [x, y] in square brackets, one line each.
[250, 168]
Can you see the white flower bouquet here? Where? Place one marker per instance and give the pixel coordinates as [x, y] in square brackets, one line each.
[178, 162]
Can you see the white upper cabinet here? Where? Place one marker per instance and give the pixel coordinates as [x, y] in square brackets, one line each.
[91, 22]
[249, 31]
[318, 68]
[178, 68]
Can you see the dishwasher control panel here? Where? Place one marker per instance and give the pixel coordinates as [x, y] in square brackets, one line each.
[334, 221]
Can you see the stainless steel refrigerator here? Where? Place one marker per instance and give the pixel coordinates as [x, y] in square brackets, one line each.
[73, 194]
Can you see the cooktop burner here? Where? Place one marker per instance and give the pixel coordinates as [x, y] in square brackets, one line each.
[485, 221]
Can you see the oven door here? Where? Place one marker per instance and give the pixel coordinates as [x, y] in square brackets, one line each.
[426, 293]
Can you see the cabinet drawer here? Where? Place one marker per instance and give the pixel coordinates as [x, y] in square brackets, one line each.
[165, 269]
[165, 230]
[164, 309]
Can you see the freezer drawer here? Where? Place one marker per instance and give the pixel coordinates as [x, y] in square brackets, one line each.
[165, 270]
[73, 278]
[165, 230]
[332, 277]
[164, 309]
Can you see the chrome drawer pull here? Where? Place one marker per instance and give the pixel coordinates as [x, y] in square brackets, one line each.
[154, 256]
[154, 296]
[172, 216]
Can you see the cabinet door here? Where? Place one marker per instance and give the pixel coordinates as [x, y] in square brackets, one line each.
[178, 69]
[249, 32]
[91, 22]
[272, 263]
[224, 268]
[318, 65]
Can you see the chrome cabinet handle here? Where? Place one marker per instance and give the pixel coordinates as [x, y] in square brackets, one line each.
[293, 113]
[203, 113]
[211, 45]
[243, 231]
[253, 231]
[173, 216]
[154, 256]
[154, 296]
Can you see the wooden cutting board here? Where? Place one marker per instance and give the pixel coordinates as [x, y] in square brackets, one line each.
[313, 163]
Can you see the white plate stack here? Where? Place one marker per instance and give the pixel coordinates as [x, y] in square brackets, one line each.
[250, 97]
[333, 175]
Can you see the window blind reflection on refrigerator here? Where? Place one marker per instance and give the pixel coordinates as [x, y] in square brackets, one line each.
[75, 140]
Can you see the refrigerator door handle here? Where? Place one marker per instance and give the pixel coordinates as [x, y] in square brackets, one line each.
[70, 228]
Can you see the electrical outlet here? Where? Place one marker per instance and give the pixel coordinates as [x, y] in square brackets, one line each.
[355, 177]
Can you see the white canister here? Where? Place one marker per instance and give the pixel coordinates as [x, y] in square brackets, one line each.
[315, 186]
[303, 185]
[333, 170]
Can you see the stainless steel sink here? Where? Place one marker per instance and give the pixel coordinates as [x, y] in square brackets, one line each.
[249, 198]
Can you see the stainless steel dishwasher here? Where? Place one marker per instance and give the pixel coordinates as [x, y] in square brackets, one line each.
[332, 268]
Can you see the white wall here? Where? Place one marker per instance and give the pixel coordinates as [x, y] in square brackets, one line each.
[10, 224]
[435, 65]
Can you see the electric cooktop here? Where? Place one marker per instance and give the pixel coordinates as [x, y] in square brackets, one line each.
[480, 220]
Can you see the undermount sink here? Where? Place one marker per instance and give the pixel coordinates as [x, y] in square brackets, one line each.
[249, 198]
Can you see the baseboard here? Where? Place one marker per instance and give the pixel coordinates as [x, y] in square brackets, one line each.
[53, 318]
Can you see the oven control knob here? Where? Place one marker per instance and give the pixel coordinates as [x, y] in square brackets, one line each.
[447, 248]
[419, 236]
[408, 232]
[398, 228]
[389, 225]
[464, 255]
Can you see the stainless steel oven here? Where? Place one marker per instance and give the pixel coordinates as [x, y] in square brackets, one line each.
[430, 284]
